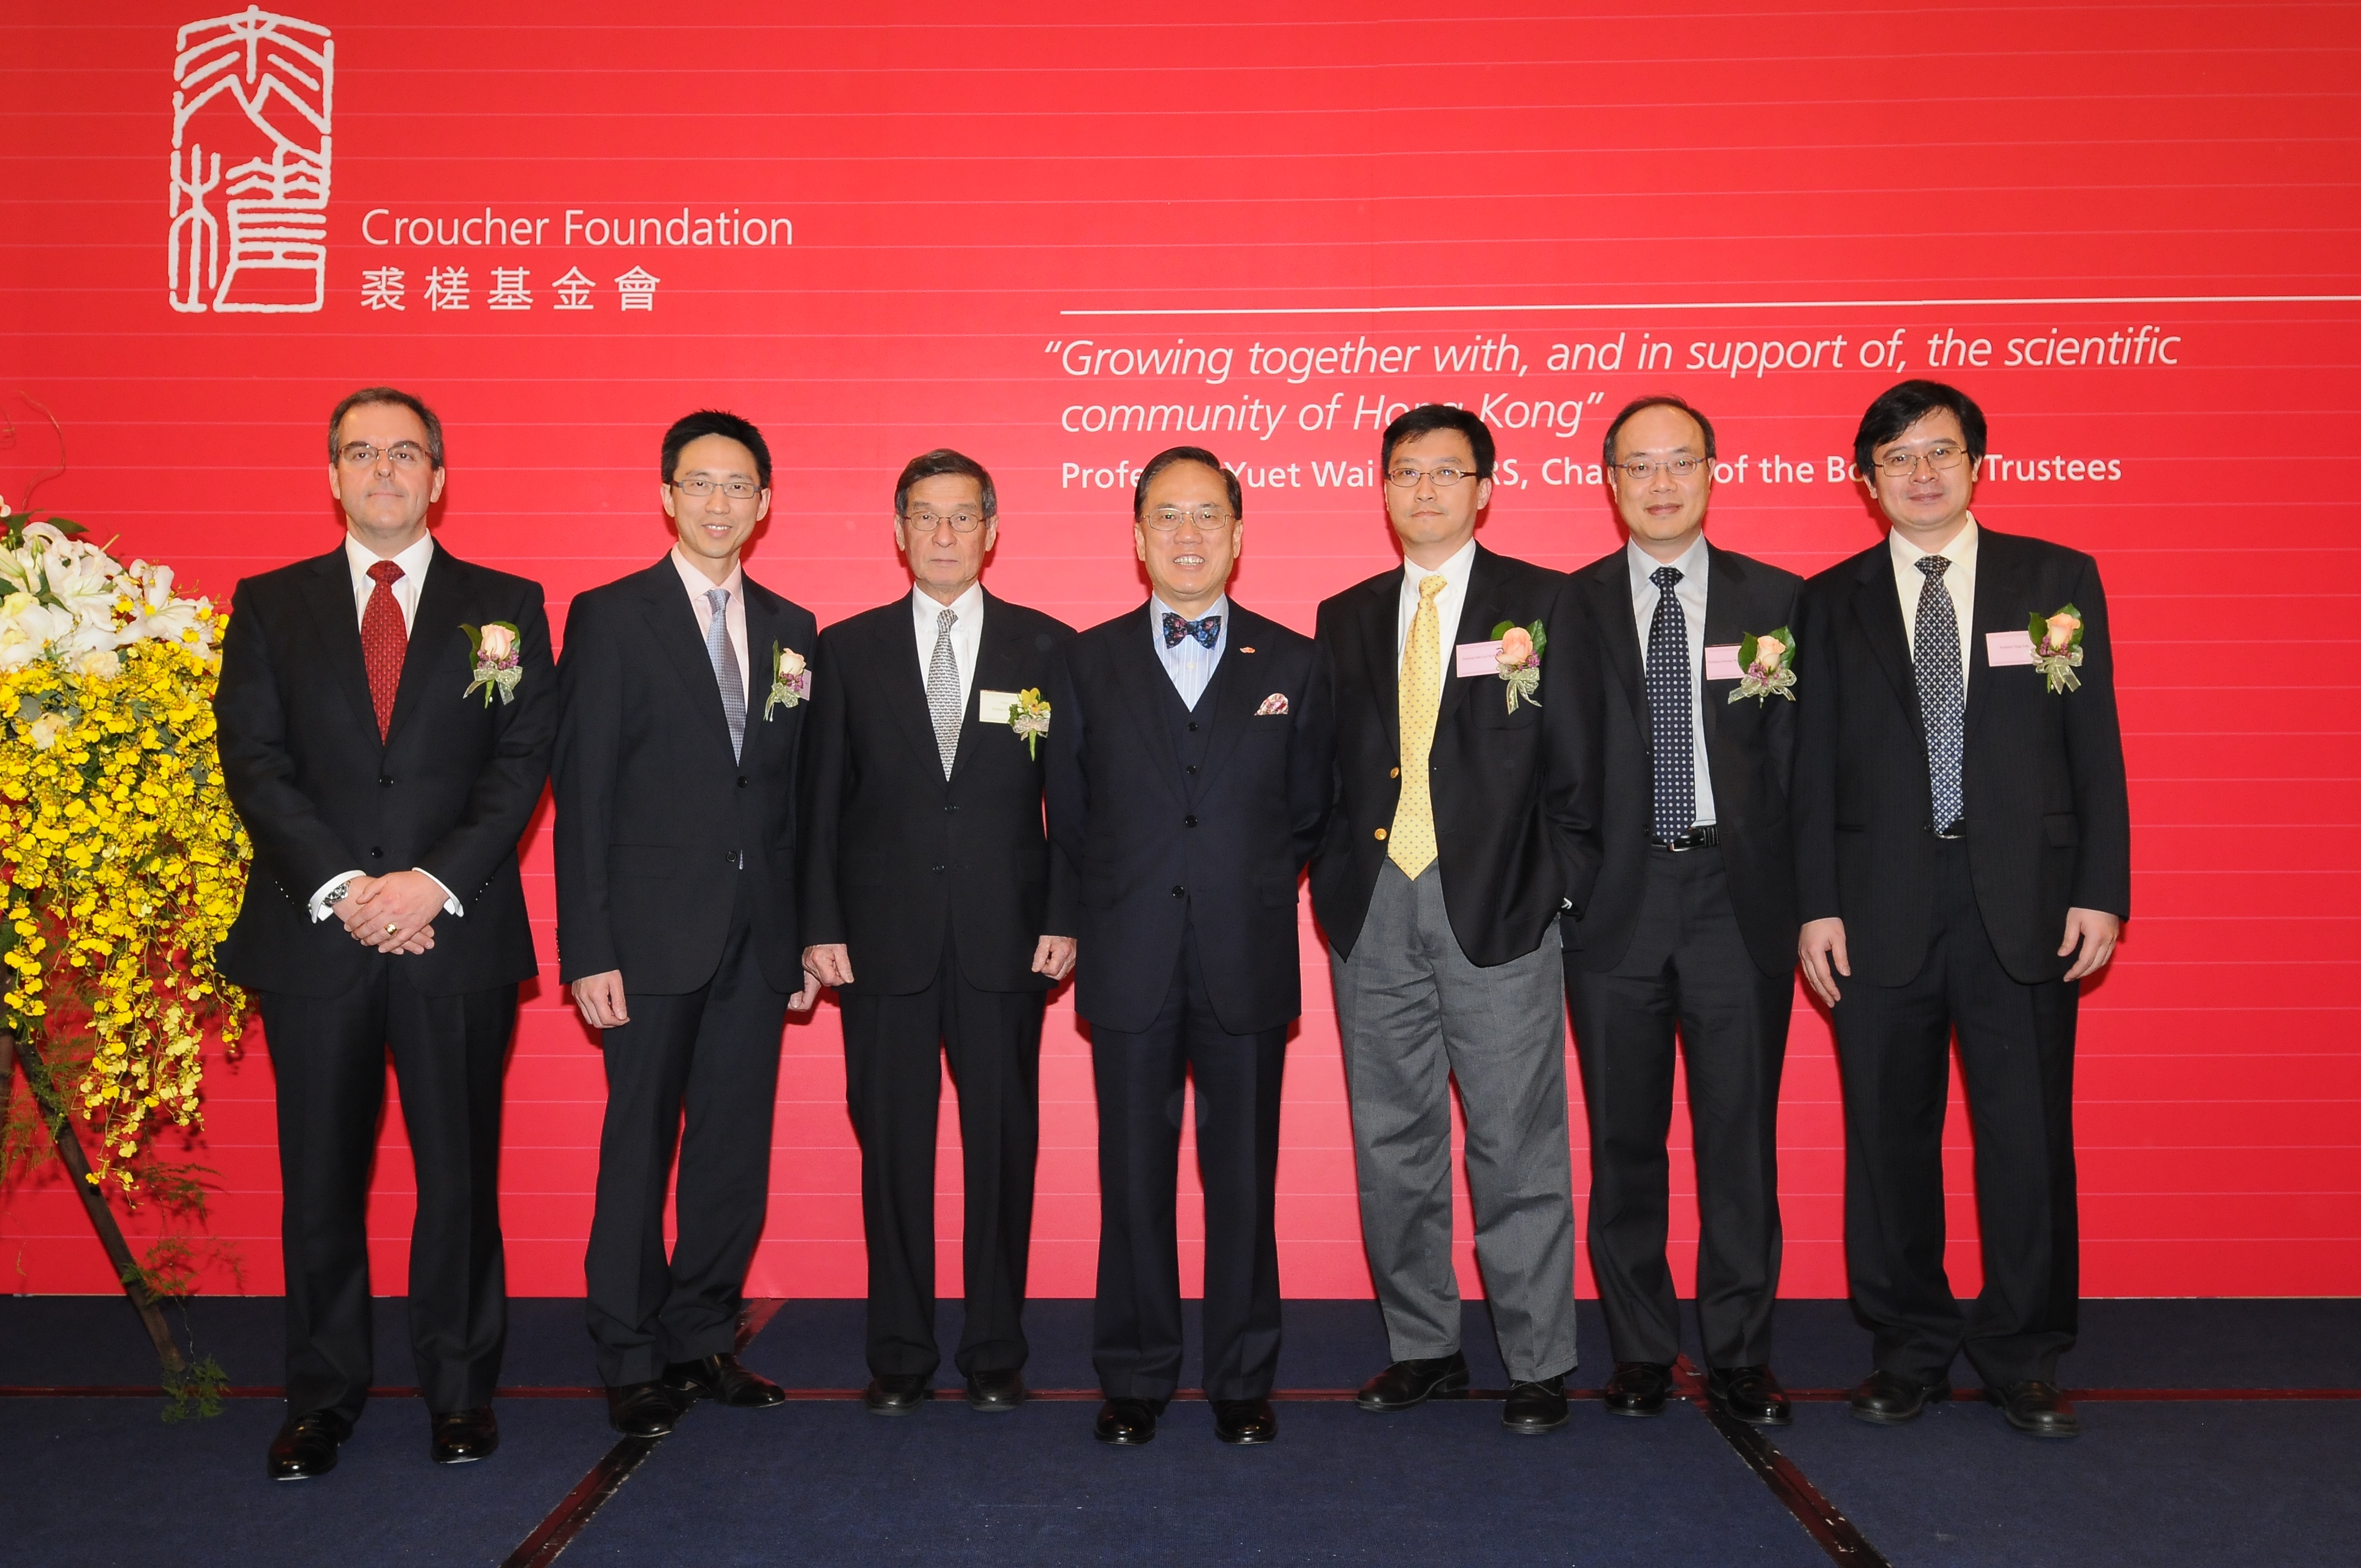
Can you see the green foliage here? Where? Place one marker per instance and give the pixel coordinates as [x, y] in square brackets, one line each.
[196, 1390]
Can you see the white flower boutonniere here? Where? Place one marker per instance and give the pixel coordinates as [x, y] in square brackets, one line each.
[1766, 666]
[1029, 716]
[2058, 647]
[1520, 659]
[499, 662]
[790, 680]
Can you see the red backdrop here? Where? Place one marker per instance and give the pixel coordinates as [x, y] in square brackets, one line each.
[973, 233]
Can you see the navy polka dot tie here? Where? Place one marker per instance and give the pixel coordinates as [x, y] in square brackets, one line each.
[1670, 692]
[1942, 693]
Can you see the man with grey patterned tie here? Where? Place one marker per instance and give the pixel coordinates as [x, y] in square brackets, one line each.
[1963, 864]
[934, 903]
[682, 699]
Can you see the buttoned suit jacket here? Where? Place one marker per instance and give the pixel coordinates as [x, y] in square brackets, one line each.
[448, 789]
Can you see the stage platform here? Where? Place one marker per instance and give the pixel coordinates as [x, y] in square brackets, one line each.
[2216, 1432]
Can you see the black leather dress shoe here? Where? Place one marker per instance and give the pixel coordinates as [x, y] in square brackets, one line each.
[2037, 1409]
[1638, 1388]
[721, 1378]
[1887, 1400]
[1408, 1384]
[1245, 1420]
[1750, 1394]
[1535, 1407]
[306, 1445]
[461, 1437]
[995, 1392]
[641, 1409]
[897, 1394]
[1126, 1423]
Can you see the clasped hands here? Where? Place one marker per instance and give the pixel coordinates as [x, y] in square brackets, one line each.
[1821, 947]
[391, 914]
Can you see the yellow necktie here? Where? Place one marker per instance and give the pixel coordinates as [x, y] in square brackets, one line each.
[1410, 845]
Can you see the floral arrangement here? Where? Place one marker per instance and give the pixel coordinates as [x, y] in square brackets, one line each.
[500, 664]
[791, 681]
[1520, 660]
[2058, 648]
[1766, 666]
[1029, 716]
[121, 860]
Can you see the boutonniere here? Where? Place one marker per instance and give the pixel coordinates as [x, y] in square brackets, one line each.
[2058, 647]
[1029, 716]
[790, 679]
[1766, 666]
[499, 663]
[1520, 659]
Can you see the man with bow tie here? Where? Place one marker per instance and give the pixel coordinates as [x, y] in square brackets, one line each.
[1190, 769]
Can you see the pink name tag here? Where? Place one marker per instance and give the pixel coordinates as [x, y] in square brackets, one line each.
[2005, 647]
[1478, 658]
[1722, 662]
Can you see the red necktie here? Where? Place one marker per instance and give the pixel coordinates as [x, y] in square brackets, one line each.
[383, 642]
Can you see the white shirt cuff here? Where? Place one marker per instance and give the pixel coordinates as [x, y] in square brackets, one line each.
[320, 900]
[451, 904]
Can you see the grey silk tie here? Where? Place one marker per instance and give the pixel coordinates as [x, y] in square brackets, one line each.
[943, 691]
[1942, 692]
[726, 674]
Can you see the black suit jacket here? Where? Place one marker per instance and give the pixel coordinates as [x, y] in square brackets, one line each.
[449, 789]
[2049, 817]
[653, 814]
[1503, 783]
[893, 852]
[1158, 848]
[1749, 751]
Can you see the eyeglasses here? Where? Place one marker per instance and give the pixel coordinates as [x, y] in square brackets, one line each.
[1640, 470]
[1164, 520]
[1406, 477]
[961, 521]
[702, 486]
[1943, 455]
[361, 455]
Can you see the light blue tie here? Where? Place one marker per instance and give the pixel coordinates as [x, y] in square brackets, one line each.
[725, 669]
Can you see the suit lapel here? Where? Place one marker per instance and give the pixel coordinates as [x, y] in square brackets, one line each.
[996, 660]
[1478, 615]
[762, 630]
[1609, 585]
[2001, 590]
[441, 602]
[330, 593]
[1146, 688]
[1725, 622]
[1378, 615]
[1877, 605]
[672, 621]
[1229, 692]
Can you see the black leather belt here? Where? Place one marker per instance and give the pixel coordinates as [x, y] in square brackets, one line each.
[1956, 830]
[1704, 836]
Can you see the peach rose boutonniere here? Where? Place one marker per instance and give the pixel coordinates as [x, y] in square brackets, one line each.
[499, 662]
[791, 680]
[1028, 716]
[1520, 659]
[1766, 666]
[2058, 647]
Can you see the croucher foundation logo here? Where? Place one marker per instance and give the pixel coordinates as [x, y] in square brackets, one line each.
[253, 96]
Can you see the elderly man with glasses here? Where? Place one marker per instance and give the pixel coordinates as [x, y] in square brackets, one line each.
[934, 904]
[1439, 884]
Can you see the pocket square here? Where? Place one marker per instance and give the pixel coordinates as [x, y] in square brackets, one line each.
[1275, 702]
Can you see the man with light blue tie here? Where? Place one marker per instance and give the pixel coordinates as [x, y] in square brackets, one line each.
[681, 705]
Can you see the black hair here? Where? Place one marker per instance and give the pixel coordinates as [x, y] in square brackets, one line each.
[1905, 404]
[714, 421]
[1638, 406]
[1429, 417]
[934, 465]
[1169, 457]
[411, 401]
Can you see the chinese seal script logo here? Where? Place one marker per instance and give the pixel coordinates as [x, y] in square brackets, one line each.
[257, 89]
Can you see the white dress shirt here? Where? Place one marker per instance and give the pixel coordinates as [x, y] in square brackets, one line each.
[1695, 565]
[413, 563]
[1447, 604]
[698, 585]
[1958, 580]
[1190, 663]
[967, 633]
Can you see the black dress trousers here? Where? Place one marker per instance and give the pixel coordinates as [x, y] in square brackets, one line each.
[1686, 972]
[2016, 1056]
[328, 1055]
[893, 1047]
[1135, 1338]
[712, 1053]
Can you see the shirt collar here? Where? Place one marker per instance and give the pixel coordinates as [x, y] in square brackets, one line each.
[1454, 571]
[1692, 564]
[1157, 610]
[698, 585]
[967, 607]
[412, 560]
[1961, 552]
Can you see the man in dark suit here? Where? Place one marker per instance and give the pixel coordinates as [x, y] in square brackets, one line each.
[358, 738]
[1684, 914]
[681, 703]
[1439, 884]
[933, 902]
[1191, 751]
[1963, 862]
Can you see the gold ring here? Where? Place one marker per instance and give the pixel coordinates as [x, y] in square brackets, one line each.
[392, 930]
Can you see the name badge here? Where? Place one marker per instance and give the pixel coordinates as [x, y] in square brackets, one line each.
[995, 707]
[1478, 658]
[2005, 647]
[1722, 662]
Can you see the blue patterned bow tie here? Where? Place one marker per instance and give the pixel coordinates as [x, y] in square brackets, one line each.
[1203, 630]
